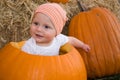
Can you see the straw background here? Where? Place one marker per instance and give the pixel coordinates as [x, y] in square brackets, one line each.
[15, 16]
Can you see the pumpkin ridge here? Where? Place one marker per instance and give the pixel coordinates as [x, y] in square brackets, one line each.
[116, 23]
[77, 69]
[99, 57]
[85, 17]
[114, 39]
[117, 48]
[103, 57]
[111, 41]
[98, 33]
[71, 65]
[103, 42]
[93, 30]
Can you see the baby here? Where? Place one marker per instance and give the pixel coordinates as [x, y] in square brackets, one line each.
[46, 27]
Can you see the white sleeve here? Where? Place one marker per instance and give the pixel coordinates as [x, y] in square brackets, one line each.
[62, 39]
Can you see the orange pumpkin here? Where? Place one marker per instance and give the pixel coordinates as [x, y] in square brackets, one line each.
[18, 65]
[58, 1]
[100, 29]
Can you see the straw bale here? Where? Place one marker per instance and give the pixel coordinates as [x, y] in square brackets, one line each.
[112, 5]
[15, 16]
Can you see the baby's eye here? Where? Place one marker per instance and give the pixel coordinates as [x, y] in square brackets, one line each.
[36, 23]
[47, 27]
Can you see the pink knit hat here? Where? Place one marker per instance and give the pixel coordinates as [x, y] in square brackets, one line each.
[55, 13]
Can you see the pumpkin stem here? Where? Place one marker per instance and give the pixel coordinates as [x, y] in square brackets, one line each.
[82, 6]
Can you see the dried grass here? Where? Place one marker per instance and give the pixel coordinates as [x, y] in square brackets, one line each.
[113, 5]
[15, 16]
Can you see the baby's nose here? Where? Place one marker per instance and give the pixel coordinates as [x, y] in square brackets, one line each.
[40, 28]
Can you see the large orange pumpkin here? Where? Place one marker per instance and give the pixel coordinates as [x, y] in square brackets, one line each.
[18, 65]
[100, 29]
[58, 1]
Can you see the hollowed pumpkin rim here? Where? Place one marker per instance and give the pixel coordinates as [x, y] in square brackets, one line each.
[67, 49]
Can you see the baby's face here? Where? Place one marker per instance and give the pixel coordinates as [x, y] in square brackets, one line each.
[42, 29]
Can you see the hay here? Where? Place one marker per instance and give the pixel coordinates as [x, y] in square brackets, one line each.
[112, 5]
[15, 16]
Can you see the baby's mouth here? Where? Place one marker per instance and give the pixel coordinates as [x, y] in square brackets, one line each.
[38, 35]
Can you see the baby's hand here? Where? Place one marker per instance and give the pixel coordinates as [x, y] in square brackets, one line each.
[86, 47]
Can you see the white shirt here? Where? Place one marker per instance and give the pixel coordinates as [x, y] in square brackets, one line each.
[31, 47]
